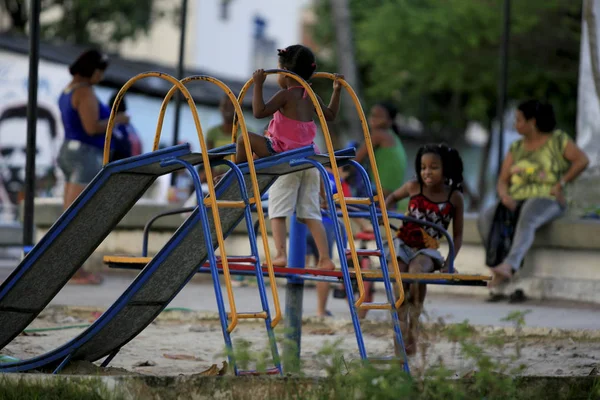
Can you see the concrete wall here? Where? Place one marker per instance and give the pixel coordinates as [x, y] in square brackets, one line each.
[563, 264]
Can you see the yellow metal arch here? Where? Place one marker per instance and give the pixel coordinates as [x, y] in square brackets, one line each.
[127, 86]
[380, 198]
[256, 200]
[330, 150]
[212, 200]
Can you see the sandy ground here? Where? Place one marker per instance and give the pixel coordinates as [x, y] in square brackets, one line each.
[181, 342]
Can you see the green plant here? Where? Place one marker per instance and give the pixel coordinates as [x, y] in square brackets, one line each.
[518, 320]
[492, 376]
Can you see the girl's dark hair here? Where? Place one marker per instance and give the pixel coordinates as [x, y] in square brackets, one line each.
[542, 112]
[392, 112]
[298, 59]
[88, 62]
[452, 164]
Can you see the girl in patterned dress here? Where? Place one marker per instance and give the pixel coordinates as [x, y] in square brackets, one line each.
[434, 196]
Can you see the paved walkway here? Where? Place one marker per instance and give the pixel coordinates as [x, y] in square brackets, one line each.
[200, 296]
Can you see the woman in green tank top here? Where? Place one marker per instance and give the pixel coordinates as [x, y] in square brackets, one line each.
[390, 156]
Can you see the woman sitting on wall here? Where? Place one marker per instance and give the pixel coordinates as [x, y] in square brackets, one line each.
[532, 182]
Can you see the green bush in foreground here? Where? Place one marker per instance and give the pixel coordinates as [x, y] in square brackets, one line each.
[490, 377]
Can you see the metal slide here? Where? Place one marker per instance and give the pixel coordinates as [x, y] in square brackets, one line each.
[79, 231]
[165, 275]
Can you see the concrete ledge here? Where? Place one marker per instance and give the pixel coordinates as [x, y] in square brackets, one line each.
[561, 274]
[48, 210]
[563, 263]
[11, 234]
[566, 233]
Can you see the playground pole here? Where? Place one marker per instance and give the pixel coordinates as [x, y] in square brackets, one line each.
[503, 82]
[294, 297]
[184, 7]
[34, 58]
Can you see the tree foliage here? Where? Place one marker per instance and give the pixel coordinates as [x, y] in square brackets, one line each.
[86, 22]
[439, 59]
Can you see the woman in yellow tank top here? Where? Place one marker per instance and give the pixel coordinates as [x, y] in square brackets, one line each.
[532, 179]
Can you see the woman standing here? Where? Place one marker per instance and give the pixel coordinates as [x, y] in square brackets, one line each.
[85, 119]
[390, 155]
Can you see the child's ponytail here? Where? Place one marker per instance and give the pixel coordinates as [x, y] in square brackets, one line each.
[453, 167]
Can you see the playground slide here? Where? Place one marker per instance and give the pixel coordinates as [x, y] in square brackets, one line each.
[165, 275]
[79, 231]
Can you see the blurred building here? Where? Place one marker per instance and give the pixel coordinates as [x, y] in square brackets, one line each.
[230, 38]
[227, 39]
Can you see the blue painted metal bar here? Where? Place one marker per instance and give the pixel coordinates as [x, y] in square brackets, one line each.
[62, 364]
[146, 232]
[294, 295]
[342, 255]
[389, 288]
[257, 265]
[110, 358]
[211, 256]
[399, 216]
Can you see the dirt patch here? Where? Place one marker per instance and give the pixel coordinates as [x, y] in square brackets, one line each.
[189, 343]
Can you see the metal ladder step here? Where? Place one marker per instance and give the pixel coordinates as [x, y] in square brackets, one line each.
[375, 306]
[249, 315]
[355, 200]
[226, 203]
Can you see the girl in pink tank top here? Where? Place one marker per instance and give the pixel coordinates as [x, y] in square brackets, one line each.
[292, 127]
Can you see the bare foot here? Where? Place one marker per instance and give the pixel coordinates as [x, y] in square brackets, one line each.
[501, 274]
[326, 264]
[279, 261]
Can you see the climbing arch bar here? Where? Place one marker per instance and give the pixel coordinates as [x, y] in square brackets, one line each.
[276, 302]
[381, 200]
[330, 151]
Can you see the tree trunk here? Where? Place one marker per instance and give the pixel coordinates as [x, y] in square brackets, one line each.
[340, 10]
[589, 17]
[585, 192]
